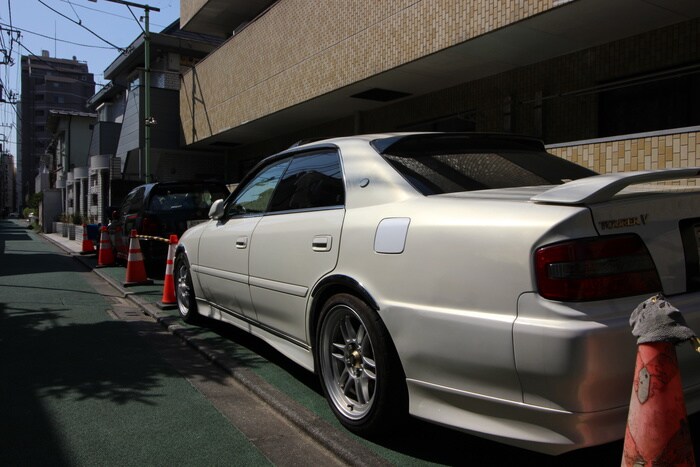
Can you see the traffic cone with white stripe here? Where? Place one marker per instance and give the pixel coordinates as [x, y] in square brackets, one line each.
[88, 248]
[169, 301]
[135, 267]
[105, 256]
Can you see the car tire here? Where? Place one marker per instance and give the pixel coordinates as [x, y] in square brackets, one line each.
[358, 367]
[184, 290]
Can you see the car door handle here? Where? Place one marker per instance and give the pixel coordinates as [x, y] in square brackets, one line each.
[242, 243]
[322, 243]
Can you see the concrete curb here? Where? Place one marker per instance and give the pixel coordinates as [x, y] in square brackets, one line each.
[336, 441]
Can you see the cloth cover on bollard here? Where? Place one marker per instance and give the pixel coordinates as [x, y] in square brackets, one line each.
[657, 430]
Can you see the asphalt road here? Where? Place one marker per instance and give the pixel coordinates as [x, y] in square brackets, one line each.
[61, 298]
[88, 379]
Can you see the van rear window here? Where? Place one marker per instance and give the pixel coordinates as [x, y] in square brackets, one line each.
[184, 198]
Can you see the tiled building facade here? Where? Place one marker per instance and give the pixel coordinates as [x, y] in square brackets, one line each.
[599, 82]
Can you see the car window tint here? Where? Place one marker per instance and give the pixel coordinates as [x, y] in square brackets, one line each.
[188, 197]
[254, 197]
[449, 173]
[311, 181]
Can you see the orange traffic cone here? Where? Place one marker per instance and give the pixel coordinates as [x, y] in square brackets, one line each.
[657, 425]
[135, 268]
[105, 256]
[88, 248]
[169, 300]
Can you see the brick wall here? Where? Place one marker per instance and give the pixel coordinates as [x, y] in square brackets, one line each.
[298, 51]
[635, 152]
[188, 8]
[285, 58]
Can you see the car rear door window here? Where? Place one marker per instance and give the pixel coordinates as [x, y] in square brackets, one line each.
[312, 181]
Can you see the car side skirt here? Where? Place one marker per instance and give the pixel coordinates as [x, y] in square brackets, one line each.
[296, 350]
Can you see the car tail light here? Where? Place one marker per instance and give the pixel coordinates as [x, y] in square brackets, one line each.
[149, 226]
[595, 269]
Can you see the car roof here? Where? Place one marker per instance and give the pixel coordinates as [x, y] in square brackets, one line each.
[383, 142]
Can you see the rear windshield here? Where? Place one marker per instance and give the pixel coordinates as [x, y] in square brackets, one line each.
[185, 197]
[433, 174]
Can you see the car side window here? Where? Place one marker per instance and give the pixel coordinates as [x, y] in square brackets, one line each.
[136, 203]
[132, 203]
[312, 181]
[255, 195]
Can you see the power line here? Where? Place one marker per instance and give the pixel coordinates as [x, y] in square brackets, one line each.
[108, 13]
[61, 40]
[121, 49]
[80, 21]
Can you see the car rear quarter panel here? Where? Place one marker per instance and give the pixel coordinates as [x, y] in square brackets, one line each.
[450, 299]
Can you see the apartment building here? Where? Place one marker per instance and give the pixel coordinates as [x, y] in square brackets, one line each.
[614, 86]
[47, 84]
[7, 184]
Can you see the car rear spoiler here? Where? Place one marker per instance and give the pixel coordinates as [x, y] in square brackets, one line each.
[601, 188]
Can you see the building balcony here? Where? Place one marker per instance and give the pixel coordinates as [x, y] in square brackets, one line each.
[219, 17]
[80, 173]
[98, 163]
[274, 74]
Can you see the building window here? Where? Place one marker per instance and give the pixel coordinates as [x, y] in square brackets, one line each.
[40, 128]
[38, 113]
[650, 104]
[39, 97]
[460, 122]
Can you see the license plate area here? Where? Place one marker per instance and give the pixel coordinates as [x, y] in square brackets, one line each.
[690, 234]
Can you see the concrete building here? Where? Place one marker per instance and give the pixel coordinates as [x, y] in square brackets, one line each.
[172, 52]
[47, 83]
[612, 85]
[105, 176]
[68, 159]
[7, 185]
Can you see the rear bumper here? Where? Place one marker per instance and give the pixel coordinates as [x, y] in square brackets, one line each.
[580, 357]
[526, 426]
[575, 365]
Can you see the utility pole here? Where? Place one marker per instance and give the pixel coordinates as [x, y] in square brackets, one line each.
[148, 119]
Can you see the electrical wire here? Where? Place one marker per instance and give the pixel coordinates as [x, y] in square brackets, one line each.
[120, 49]
[80, 21]
[109, 13]
[136, 19]
[61, 40]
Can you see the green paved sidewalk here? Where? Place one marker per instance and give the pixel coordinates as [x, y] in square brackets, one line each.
[246, 351]
[78, 388]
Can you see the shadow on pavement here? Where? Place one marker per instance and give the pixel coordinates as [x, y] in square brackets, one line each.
[26, 431]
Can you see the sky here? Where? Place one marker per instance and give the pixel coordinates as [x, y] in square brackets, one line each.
[41, 28]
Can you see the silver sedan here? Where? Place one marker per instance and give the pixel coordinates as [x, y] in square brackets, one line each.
[472, 280]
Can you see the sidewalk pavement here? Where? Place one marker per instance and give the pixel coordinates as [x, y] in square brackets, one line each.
[234, 359]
